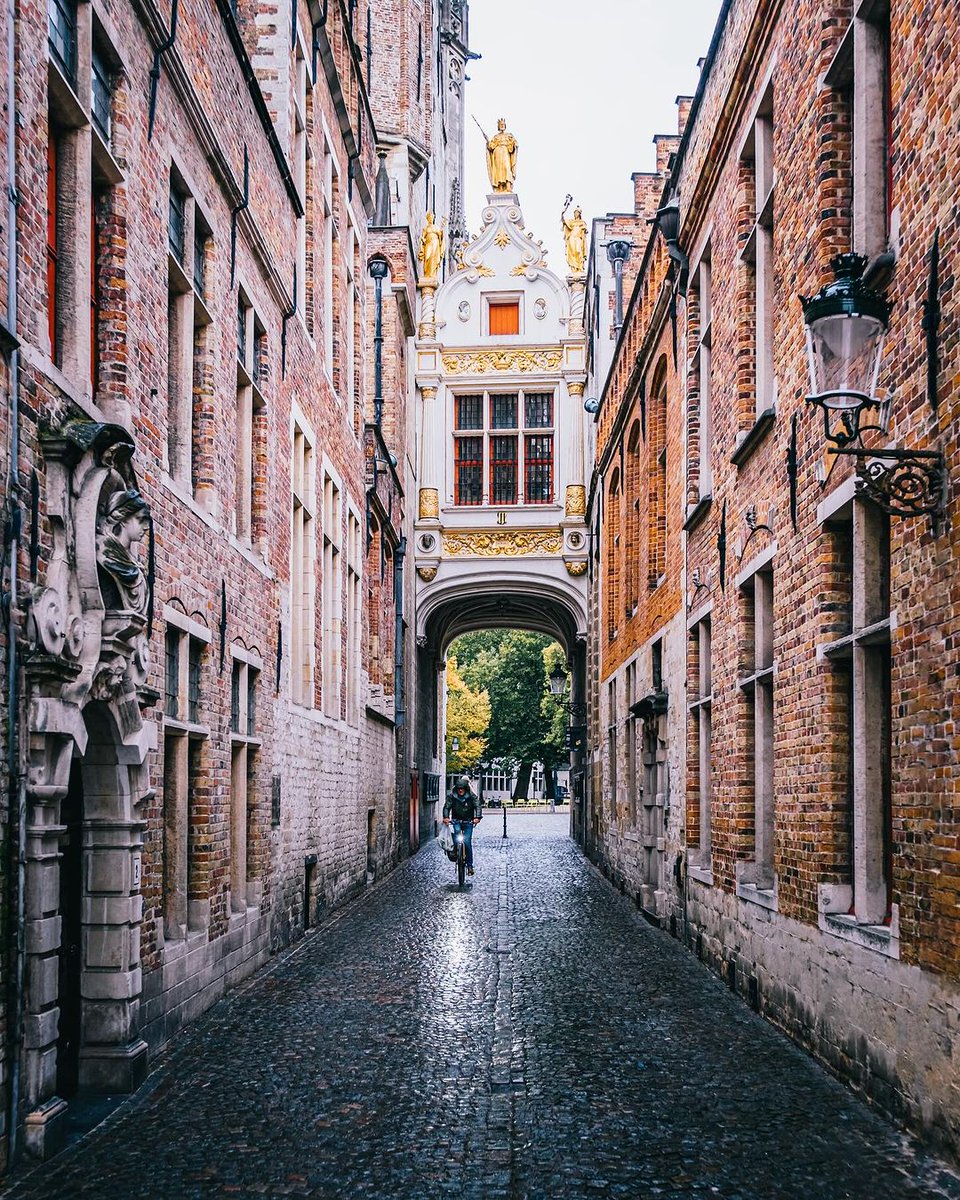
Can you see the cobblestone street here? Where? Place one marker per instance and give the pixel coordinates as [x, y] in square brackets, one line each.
[531, 1037]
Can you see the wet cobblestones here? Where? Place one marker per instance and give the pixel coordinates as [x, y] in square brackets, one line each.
[529, 1038]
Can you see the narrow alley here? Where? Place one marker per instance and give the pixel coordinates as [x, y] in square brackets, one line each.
[529, 1037]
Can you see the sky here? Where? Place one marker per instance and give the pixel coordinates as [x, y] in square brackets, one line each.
[584, 86]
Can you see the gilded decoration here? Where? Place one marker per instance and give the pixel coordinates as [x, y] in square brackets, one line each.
[432, 242]
[502, 239]
[502, 543]
[576, 500]
[576, 568]
[427, 574]
[575, 238]
[429, 503]
[484, 362]
[485, 271]
[501, 158]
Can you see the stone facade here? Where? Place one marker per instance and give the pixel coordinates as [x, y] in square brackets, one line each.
[213, 478]
[815, 864]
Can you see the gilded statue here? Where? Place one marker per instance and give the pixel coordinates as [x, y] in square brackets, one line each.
[124, 521]
[432, 242]
[574, 238]
[502, 158]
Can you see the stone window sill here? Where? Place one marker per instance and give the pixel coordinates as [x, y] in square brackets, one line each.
[753, 437]
[700, 873]
[752, 894]
[844, 926]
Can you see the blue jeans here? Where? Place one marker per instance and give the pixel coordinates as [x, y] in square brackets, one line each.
[467, 828]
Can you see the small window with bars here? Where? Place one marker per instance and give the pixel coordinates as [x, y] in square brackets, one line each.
[469, 412]
[200, 237]
[503, 470]
[503, 411]
[242, 310]
[236, 681]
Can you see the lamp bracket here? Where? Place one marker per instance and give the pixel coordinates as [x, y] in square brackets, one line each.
[846, 427]
[904, 483]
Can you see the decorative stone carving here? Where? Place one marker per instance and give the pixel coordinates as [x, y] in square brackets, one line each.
[429, 504]
[427, 574]
[576, 498]
[576, 568]
[428, 308]
[540, 308]
[502, 543]
[487, 362]
[123, 523]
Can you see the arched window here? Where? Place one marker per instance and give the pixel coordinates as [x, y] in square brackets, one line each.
[657, 477]
[631, 491]
[612, 573]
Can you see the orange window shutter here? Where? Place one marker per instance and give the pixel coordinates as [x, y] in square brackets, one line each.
[504, 318]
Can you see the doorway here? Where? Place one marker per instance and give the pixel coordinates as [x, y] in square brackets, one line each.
[70, 965]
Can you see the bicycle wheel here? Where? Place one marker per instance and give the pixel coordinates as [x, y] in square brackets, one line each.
[461, 862]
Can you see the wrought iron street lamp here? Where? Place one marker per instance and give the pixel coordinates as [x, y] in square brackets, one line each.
[667, 220]
[455, 745]
[846, 323]
[558, 680]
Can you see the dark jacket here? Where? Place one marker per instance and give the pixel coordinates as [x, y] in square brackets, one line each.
[462, 805]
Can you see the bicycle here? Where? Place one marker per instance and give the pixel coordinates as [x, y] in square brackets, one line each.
[460, 842]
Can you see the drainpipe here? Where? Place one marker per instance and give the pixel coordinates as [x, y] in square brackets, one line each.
[400, 711]
[17, 783]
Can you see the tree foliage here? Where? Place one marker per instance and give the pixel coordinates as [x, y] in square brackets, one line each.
[468, 717]
[511, 665]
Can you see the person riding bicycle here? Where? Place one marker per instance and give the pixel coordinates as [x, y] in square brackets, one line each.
[463, 809]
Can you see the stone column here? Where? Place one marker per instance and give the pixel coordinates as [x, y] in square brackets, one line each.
[431, 453]
[428, 309]
[578, 287]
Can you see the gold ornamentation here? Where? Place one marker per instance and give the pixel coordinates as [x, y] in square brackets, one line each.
[429, 503]
[502, 543]
[428, 392]
[427, 574]
[502, 158]
[484, 270]
[576, 568]
[431, 247]
[576, 500]
[502, 239]
[520, 269]
[484, 362]
[574, 238]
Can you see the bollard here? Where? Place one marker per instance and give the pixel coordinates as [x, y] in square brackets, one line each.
[504, 818]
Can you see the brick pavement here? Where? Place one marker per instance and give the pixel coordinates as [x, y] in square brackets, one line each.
[529, 1038]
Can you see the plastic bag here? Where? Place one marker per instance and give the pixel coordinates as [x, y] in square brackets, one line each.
[446, 841]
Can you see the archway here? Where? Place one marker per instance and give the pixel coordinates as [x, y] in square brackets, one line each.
[472, 603]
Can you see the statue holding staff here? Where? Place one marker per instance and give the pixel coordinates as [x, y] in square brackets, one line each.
[501, 157]
[574, 238]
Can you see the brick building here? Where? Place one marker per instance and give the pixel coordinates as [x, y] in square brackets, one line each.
[207, 463]
[805, 608]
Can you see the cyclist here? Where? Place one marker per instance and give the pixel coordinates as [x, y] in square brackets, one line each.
[463, 808]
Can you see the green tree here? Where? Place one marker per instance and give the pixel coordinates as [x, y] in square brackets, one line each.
[526, 722]
[468, 716]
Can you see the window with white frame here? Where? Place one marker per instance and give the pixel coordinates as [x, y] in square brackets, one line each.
[701, 715]
[302, 559]
[185, 736]
[861, 661]
[861, 72]
[756, 685]
[758, 252]
[354, 615]
[503, 448]
[332, 596]
[244, 744]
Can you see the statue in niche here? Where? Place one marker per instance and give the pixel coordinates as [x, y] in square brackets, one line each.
[574, 238]
[123, 523]
[502, 159]
[432, 242]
